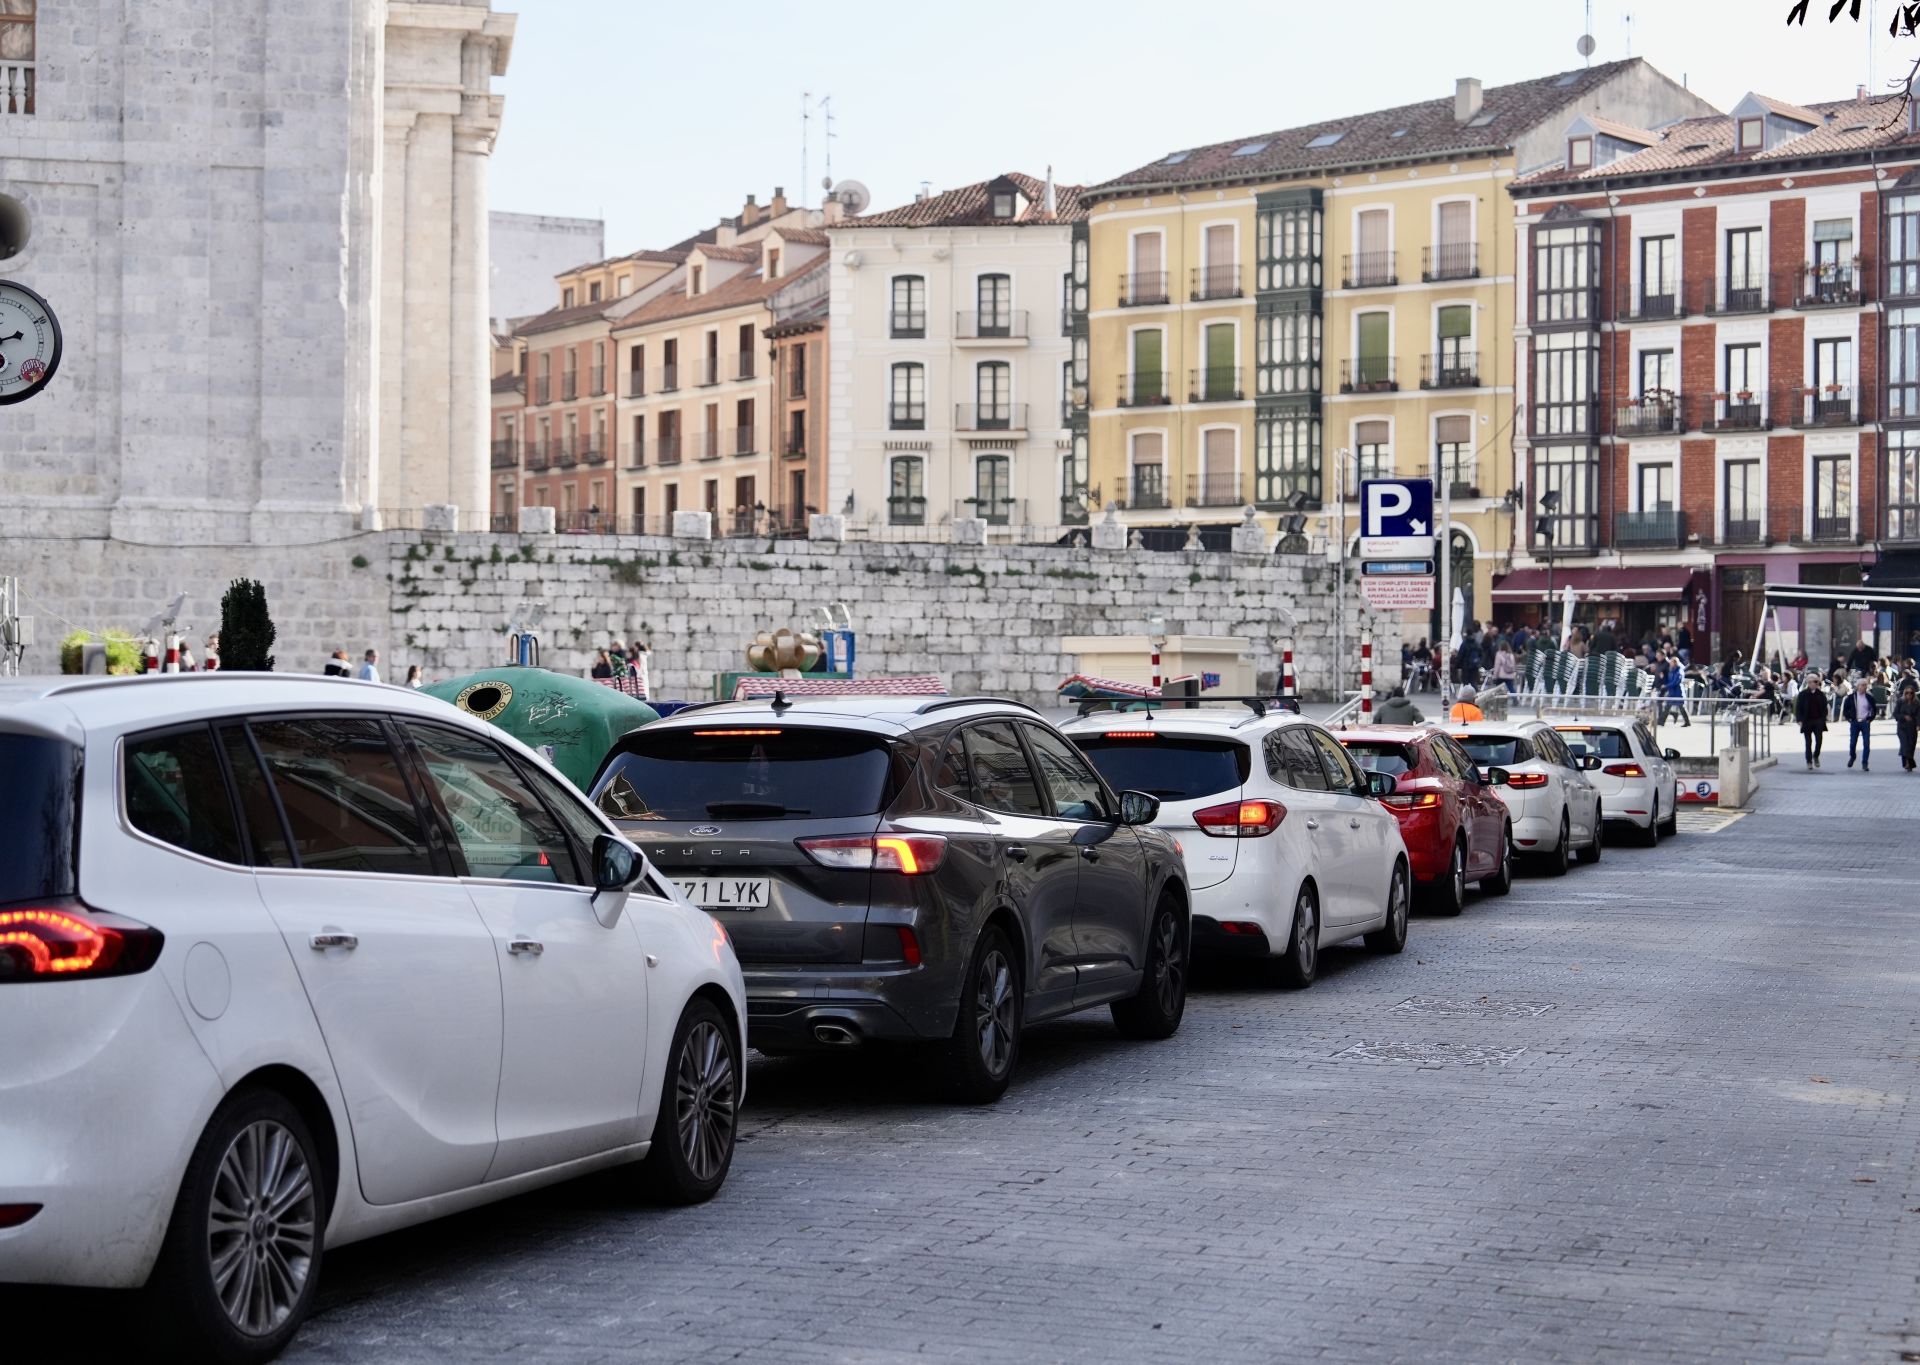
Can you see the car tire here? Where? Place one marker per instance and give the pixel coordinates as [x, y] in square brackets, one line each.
[1448, 896]
[698, 1125]
[985, 1047]
[1560, 857]
[1301, 962]
[1155, 1011]
[1591, 853]
[1501, 882]
[1392, 936]
[1650, 836]
[1673, 820]
[240, 1262]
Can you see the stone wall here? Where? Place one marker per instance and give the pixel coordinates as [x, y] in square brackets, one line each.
[986, 618]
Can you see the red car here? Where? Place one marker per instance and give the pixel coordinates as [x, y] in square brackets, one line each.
[1454, 825]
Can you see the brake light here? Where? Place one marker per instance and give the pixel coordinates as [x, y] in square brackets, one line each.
[13, 1215]
[1240, 819]
[909, 946]
[1624, 770]
[911, 855]
[70, 941]
[732, 734]
[1127, 734]
[1525, 781]
[1415, 800]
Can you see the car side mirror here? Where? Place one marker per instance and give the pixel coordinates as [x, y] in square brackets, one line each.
[1670, 754]
[617, 865]
[1382, 785]
[1589, 763]
[1498, 777]
[1137, 808]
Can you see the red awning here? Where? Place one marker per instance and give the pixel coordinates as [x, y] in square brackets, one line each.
[1666, 583]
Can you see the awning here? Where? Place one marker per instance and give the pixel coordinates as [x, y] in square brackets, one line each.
[1665, 583]
[1896, 569]
[1863, 598]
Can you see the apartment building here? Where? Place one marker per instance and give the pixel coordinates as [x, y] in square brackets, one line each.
[1274, 318]
[1719, 386]
[507, 407]
[952, 361]
[797, 347]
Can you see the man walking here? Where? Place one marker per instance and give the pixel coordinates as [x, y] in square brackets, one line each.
[369, 670]
[1810, 709]
[1858, 710]
[1674, 695]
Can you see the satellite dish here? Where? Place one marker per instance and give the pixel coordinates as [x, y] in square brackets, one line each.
[815, 218]
[166, 618]
[855, 196]
[1586, 45]
[851, 260]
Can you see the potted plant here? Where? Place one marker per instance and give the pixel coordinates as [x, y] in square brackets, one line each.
[1833, 388]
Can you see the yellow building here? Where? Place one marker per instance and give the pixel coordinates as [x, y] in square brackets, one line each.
[1272, 319]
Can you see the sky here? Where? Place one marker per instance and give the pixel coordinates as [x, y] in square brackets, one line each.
[660, 118]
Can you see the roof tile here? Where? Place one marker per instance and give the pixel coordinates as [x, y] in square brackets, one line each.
[747, 287]
[967, 207]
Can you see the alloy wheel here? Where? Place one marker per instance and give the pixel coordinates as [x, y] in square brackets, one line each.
[1169, 965]
[1459, 875]
[993, 1011]
[705, 1100]
[261, 1227]
[1397, 905]
[1306, 946]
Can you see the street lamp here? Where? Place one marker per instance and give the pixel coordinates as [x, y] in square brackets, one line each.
[1543, 529]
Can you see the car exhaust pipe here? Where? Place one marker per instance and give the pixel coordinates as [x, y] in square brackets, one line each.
[835, 1035]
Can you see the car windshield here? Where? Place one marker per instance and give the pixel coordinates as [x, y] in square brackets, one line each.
[1379, 756]
[1489, 750]
[40, 803]
[1600, 743]
[745, 773]
[1171, 767]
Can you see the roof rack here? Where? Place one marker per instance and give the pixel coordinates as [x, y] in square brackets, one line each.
[942, 703]
[1258, 705]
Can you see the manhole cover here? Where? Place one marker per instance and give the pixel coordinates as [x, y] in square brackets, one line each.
[1433, 1054]
[1483, 1008]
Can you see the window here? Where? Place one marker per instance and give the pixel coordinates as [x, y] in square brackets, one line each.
[798, 773]
[1563, 374]
[1373, 453]
[994, 297]
[1659, 277]
[1832, 255]
[1746, 271]
[1070, 784]
[1220, 377]
[1753, 134]
[1255, 148]
[743, 427]
[1453, 442]
[951, 774]
[1455, 367]
[1003, 205]
[1287, 348]
[1903, 246]
[1073, 483]
[1293, 760]
[1148, 282]
[1653, 487]
[266, 835]
[1565, 266]
[1903, 485]
[593, 292]
[1372, 263]
[1580, 153]
[1287, 458]
[500, 827]
[566, 297]
[1219, 275]
[1173, 768]
[1742, 371]
[623, 286]
[696, 277]
[906, 490]
[1740, 500]
[993, 488]
[773, 262]
[1832, 496]
[1002, 781]
[909, 306]
[1148, 381]
[1832, 365]
[1373, 366]
[797, 432]
[1288, 246]
[17, 45]
[993, 393]
[797, 368]
[1656, 373]
[907, 410]
[174, 792]
[1903, 360]
[347, 805]
[1572, 472]
[1147, 460]
[1220, 467]
[745, 358]
[1343, 774]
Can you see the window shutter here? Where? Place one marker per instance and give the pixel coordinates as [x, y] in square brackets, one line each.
[1456, 321]
[1373, 231]
[1146, 254]
[1373, 335]
[1456, 223]
[1146, 352]
[1370, 433]
[1219, 347]
[1219, 246]
[1833, 230]
[1148, 447]
[1453, 431]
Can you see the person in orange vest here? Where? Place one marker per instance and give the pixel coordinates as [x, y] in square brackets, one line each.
[1464, 709]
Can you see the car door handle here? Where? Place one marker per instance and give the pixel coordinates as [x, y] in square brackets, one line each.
[1092, 855]
[333, 938]
[1354, 822]
[1017, 852]
[526, 946]
[1313, 824]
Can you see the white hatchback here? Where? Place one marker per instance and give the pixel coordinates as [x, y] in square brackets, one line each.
[1637, 785]
[293, 962]
[1555, 808]
[1287, 845]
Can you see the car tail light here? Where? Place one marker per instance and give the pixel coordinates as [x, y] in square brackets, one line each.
[1524, 781]
[732, 734]
[1414, 800]
[1624, 770]
[13, 1215]
[1240, 928]
[913, 855]
[1240, 819]
[909, 945]
[1127, 734]
[68, 941]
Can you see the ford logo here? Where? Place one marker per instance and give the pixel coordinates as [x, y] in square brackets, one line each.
[704, 831]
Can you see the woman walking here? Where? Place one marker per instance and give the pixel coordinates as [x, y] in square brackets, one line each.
[1810, 709]
[1906, 718]
[1505, 668]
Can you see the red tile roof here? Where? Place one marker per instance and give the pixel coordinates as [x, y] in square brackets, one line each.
[555, 318]
[805, 236]
[968, 207]
[747, 287]
[745, 255]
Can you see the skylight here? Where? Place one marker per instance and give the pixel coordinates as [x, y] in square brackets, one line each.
[1176, 158]
[1697, 147]
[1855, 128]
[1251, 149]
[1483, 120]
[1399, 132]
[1327, 139]
[1571, 78]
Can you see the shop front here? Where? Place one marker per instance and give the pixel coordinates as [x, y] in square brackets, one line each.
[1744, 591]
[1642, 601]
[1899, 569]
[1826, 622]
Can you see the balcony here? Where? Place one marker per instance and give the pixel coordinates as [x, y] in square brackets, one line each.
[1369, 374]
[1143, 289]
[1148, 493]
[1833, 530]
[1744, 411]
[633, 455]
[994, 509]
[1827, 286]
[1742, 531]
[636, 383]
[1661, 530]
[504, 456]
[990, 417]
[569, 387]
[16, 87]
[1073, 508]
[1728, 295]
[907, 416]
[796, 382]
[537, 457]
[666, 449]
[794, 447]
[1216, 384]
[1450, 370]
[743, 367]
[505, 521]
[543, 390]
[1005, 324]
[597, 381]
[1216, 282]
[1145, 389]
[1651, 415]
[594, 450]
[666, 379]
[1832, 405]
[1369, 269]
[903, 323]
[707, 372]
[566, 453]
[1215, 490]
[706, 445]
[739, 441]
[1450, 261]
[1650, 307]
[907, 510]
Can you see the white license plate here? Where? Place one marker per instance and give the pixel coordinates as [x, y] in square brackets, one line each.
[727, 893]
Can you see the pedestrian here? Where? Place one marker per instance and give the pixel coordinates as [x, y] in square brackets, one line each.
[602, 664]
[1673, 693]
[337, 665]
[1505, 667]
[369, 670]
[1603, 639]
[1861, 660]
[1398, 709]
[1464, 709]
[1858, 711]
[414, 680]
[640, 666]
[1810, 709]
[212, 664]
[1906, 719]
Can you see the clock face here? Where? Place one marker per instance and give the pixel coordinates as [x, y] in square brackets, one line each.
[29, 342]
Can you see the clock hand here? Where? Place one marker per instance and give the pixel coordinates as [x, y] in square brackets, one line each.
[17, 336]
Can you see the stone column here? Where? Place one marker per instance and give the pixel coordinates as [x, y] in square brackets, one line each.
[469, 396]
[385, 480]
[426, 308]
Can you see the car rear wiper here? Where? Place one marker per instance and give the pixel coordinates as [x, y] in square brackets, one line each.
[752, 808]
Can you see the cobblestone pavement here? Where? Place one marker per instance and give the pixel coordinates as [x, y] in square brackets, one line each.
[1660, 1110]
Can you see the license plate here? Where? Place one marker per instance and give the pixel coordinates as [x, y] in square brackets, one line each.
[727, 893]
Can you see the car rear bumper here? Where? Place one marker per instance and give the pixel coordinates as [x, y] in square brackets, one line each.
[1535, 833]
[1244, 915]
[1211, 938]
[832, 1008]
[1428, 851]
[1629, 803]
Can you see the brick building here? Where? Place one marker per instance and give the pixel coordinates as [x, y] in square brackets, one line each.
[1702, 402]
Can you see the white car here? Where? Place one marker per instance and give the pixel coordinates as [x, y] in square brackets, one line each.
[1636, 781]
[288, 962]
[1555, 808]
[1287, 845]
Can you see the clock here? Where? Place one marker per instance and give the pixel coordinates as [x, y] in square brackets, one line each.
[29, 343]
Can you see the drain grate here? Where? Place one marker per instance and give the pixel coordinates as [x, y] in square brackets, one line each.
[1483, 1008]
[1432, 1054]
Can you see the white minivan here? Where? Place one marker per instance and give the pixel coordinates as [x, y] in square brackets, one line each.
[287, 962]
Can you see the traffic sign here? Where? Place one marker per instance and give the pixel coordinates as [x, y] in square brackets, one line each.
[1396, 517]
[1397, 566]
[1398, 592]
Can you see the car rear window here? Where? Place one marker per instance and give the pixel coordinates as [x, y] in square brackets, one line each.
[1171, 767]
[1600, 743]
[1379, 756]
[1495, 750]
[40, 807]
[746, 773]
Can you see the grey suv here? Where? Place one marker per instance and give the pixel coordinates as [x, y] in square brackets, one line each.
[902, 869]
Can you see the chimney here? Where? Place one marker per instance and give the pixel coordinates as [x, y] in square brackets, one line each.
[1913, 103]
[1466, 99]
[750, 214]
[779, 204]
[1860, 94]
[1052, 202]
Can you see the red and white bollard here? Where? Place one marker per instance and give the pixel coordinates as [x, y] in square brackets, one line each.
[1156, 671]
[150, 657]
[171, 664]
[1287, 689]
[1366, 678]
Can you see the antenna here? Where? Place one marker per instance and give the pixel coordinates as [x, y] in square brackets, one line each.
[805, 119]
[826, 115]
[1629, 21]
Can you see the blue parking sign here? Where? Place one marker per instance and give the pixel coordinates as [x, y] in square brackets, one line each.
[1395, 508]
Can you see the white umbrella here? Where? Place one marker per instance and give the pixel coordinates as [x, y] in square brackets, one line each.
[1459, 617]
[1566, 617]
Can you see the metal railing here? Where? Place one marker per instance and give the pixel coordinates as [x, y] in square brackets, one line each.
[666, 449]
[1216, 384]
[597, 381]
[1143, 388]
[1148, 495]
[992, 509]
[1831, 405]
[505, 454]
[1369, 269]
[705, 445]
[743, 365]
[1741, 531]
[907, 510]
[990, 417]
[906, 323]
[1215, 282]
[1838, 528]
[1450, 261]
[907, 416]
[567, 454]
[633, 455]
[1656, 530]
[1750, 293]
[1215, 490]
[666, 379]
[594, 450]
[1651, 416]
[1143, 288]
[1073, 509]
[1004, 323]
[1744, 411]
[707, 371]
[1654, 307]
[636, 383]
[1450, 370]
[739, 440]
[569, 387]
[1369, 374]
[542, 390]
[1827, 286]
[537, 458]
